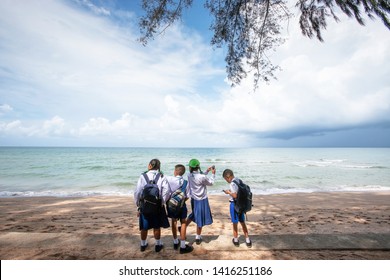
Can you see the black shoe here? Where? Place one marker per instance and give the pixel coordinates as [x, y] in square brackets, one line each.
[143, 248]
[249, 244]
[176, 246]
[158, 248]
[198, 241]
[236, 243]
[187, 249]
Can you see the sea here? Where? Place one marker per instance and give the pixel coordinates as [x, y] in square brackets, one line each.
[67, 172]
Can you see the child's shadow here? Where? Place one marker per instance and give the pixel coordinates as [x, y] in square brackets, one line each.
[205, 239]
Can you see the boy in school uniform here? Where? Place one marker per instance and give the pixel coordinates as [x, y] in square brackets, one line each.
[236, 218]
[158, 219]
[176, 182]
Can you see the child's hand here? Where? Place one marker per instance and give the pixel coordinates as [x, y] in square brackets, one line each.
[226, 191]
[138, 213]
[210, 168]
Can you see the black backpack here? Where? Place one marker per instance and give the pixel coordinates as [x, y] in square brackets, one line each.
[243, 202]
[150, 202]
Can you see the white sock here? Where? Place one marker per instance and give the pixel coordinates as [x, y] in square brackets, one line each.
[182, 244]
[247, 240]
[176, 241]
[158, 242]
[198, 237]
[235, 239]
[144, 242]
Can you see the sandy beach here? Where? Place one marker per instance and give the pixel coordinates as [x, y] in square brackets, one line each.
[282, 226]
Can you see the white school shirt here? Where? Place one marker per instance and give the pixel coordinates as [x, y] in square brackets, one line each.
[162, 184]
[233, 187]
[198, 183]
[175, 183]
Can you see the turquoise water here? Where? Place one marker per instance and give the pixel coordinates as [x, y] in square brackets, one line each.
[94, 171]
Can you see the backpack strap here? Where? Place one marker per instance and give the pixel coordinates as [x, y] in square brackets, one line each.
[238, 182]
[184, 186]
[157, 177]
[146, 177]
[155, 180]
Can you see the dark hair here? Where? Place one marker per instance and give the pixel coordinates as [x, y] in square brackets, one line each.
[155, 164]
[192, 169]
[227, 172]
[181, 169]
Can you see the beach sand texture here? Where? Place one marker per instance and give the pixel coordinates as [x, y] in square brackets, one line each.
[282, 226]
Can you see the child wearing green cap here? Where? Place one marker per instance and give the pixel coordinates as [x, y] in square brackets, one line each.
[201, 212]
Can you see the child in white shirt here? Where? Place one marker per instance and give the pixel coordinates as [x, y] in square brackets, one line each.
[160, 219]
[235, 217]
[176, 182]
[201, 212]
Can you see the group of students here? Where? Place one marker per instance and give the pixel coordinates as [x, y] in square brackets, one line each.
[195, 189]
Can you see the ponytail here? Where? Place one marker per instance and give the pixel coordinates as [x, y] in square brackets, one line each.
[155, 164]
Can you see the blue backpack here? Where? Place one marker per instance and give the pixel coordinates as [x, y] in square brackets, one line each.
[150, 202]
[178, 197]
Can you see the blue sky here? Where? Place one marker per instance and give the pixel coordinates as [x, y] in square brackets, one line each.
[73, 74]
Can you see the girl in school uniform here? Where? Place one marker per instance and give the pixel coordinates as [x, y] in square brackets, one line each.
[160, 219]
[201, 212]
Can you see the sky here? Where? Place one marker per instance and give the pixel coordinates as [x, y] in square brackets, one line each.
[72, 73]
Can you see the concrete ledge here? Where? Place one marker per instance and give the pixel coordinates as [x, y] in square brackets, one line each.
[21, 245]
[367, 241]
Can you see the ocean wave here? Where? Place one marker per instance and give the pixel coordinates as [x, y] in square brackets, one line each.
[379, 167]
[94, 167]
[365, 167]
[319, 163]
[292, 177]
[122, 184]
[63, 193]
[337, 164]
[266, 182]
[256, 190]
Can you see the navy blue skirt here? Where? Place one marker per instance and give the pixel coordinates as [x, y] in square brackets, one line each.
[156, 221]
[201, 212]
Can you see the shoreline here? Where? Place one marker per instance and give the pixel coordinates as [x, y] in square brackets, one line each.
[210, 193]
[106, 227]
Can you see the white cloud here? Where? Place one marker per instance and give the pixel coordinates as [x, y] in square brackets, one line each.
[10, 127]
[54, 126]
[320, 88]
[5, 108]
[97, 10]
[79, 61]
[124, 126]
[102, 85]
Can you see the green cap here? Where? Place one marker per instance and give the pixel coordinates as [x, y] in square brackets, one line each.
[194, 163]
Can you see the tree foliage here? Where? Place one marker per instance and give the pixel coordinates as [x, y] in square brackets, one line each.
[251, 29]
